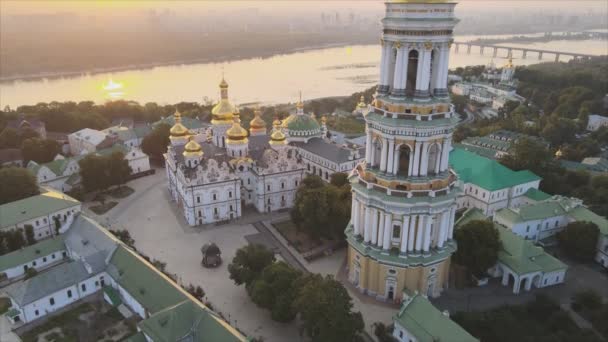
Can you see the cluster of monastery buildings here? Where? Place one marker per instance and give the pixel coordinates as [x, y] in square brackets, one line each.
[76, 258]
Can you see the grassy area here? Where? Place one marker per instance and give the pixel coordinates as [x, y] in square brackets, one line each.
[5, 304]
[301, 241]
[541, 319]
[103, 208]
[120, 192]
[346, 124]
[86, 322]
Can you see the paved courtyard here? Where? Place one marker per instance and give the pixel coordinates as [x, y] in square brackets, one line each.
[162, 234]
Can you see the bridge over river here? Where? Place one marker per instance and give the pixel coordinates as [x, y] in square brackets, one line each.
[509, 50]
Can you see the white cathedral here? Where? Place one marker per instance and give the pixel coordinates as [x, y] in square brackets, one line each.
[212, 181]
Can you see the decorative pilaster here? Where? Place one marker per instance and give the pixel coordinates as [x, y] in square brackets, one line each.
[383, 155]
[404, 234]
[368, 226]
[374, 226]
[414, 221]
[386, 244]
[381, 229]
[391, 155]
[368, 148]
[416, 168]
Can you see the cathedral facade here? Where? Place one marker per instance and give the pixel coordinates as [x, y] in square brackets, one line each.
[404, 194]
[212, 179]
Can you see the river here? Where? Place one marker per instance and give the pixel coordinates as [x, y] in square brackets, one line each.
[336, 71]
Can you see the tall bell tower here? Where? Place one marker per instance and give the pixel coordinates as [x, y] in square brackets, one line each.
[404, 195]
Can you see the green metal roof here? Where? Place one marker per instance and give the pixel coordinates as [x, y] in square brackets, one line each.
[187, 319]
[32, 207]
[113, 295]
[143, 282]
[537, 195]
[302, 124]
[519, 254]
[427, 323]
[29, 253]
[522, 256]
[486, 173]
[584, 214]
[482, 151]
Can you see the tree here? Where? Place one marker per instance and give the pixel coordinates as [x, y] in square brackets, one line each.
[15, 184]
[124, 236]
[528, 154]
[338, 179]
[383, 333]
[94, 173]
[118, 168]
[155, 143]
[478, 246]
[15, 239]
[320, 209]
[9, 138]
[579, 240]
[39, 150]
[249, 262]
[29, 234]
[325, 310]
[274, 289]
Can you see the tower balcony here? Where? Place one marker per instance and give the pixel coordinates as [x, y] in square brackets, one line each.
[440, 184]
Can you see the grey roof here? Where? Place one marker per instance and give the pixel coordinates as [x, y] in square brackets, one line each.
[47, 282]
[327, 150]
[87, 241]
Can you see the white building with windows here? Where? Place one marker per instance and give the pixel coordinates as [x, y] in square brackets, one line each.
[488, 185]
[596, 122]
[211, 181]
[89, 140]
[46, 213]
[87, 259]
[521, 264]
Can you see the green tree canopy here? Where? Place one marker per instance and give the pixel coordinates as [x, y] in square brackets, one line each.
[39, 150]
[16, 183]
[326, 310]
[249, 262]
[274, 289]
[94, 173]
[579, 240]
[9, 138]
[338, 179]
[118, 168]
[478, 246]
[321, 209]
[155, 143]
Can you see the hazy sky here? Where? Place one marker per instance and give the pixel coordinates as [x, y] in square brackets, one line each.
[10, 7]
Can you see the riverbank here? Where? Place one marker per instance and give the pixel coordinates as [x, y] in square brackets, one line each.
[145, 66]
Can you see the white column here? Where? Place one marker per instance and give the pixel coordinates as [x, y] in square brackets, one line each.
[381, 229]
[443, 229]
[396, 161]
[368, 147]
[388, 222]
[398, 75]
[404, 233]
[445, 155]
[424, 159]
[391, 156]
[374, 226]
[451, 223]
[436, 62]
[427, 234]
[415, 171]
[386, 68]
[384, 155]
[414, 221]
[422, 219]
[368, 227]
[424, 71]
[354, 216]
[445, 66]
[410, 166]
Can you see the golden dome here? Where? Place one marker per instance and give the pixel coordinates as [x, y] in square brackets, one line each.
[236, 132]
[324, 120]
[224, 110]
[277, 137]
[192, 149]
[178, 130]
[361, 103]
[257, 124]
[559, 153]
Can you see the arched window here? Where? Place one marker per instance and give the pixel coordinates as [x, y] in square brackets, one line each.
[377, 152]
[404, 160]
[396, 232]
[433, 165]
[412, 72]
